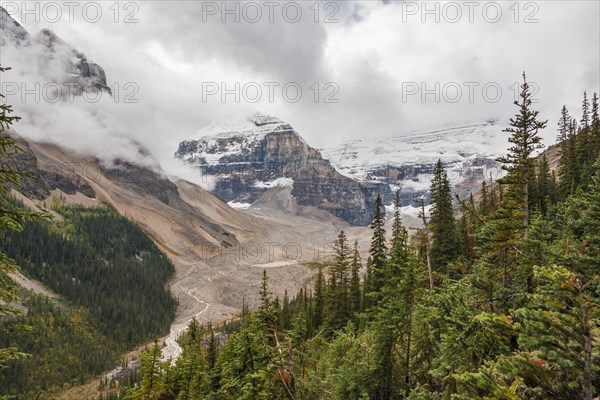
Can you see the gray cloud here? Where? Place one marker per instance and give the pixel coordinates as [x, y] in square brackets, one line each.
[373, 54]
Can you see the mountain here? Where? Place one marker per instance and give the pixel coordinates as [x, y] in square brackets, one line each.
[260, 153]
[254, 155]
[47, 55]
[406, 160]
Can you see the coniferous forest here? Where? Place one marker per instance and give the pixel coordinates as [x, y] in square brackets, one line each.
[495, 297]
[111, 279]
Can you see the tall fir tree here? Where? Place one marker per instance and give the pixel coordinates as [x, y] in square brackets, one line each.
[319, 298]
[399, 241]
[519, 162]
[339, 307]
[595, 121]
[355, 266]
[378, 251]
[444, 247]
[544, 188]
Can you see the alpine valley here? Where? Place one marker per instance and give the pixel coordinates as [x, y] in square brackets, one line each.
[416, 264]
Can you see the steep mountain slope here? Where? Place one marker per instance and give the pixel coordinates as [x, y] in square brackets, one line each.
[249, 157]
[218, 252]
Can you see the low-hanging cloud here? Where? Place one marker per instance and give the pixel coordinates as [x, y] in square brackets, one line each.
[374, 52]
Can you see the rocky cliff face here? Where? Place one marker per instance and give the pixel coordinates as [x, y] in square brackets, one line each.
[251, 156]
[48, 55]
[42, 178]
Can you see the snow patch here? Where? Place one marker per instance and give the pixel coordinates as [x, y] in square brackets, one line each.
[279, 182]
[239, 206]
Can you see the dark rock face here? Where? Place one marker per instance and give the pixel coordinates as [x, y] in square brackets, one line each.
[143, 180]
[42, 178]
[248, 163]
[50, 51]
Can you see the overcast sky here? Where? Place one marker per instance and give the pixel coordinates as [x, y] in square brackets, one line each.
[374, 58]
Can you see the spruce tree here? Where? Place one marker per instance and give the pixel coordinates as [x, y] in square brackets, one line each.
[585, 112]
[319, 299]
[266, 312]
[378, 249]
[339, 309]
[544, 185]
[595, 124]
[484, 203]
[444, 248]
[519, 162]
[399, 241]
[355, 266]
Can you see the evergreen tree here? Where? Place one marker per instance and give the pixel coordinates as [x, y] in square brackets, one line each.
[559, 327]
[519, 162]
[285, 312]
[484, 204]
[544, 186]
[151, 386]
[266, 312]
[444, 248]
[585, 108]
[590, 249]
[399, 241]
[319, 299]
[338, 306]
[595, 127]
[378, 249]
[355, 266]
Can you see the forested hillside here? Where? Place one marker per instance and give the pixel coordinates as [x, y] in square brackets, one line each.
[501, 303]
[112, 282]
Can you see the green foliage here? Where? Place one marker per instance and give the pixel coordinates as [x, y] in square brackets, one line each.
[378, 249]
[444, 248]
[101, 261]
[65, 348]
[109, 272]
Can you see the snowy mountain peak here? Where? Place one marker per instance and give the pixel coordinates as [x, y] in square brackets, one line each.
[253, 128]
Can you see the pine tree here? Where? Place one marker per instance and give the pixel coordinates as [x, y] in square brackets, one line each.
[319, 298]
[444, 248]
[544, 185]
[564, 125]
[595, 127]
[519, 162]
[266, 312]
[399, 242]
[355, 266]
[378, 249]
[151, 386]
[285, 312]
[484, 203]
[338, 305]
[585, 108]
